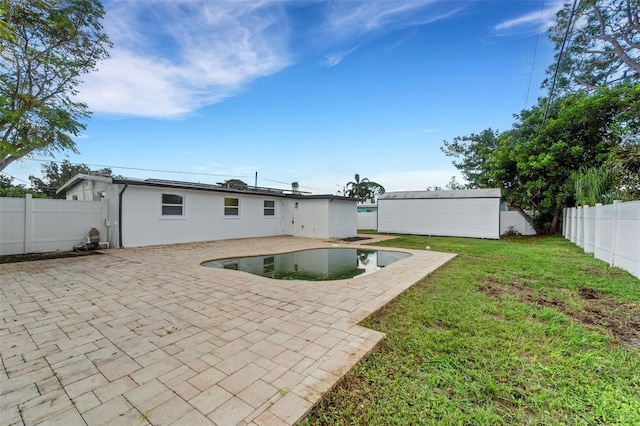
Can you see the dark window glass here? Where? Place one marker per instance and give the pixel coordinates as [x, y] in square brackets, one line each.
[172, 205]
[231, 207]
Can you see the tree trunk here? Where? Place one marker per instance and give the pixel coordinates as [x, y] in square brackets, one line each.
[6, 161]
[554, 228]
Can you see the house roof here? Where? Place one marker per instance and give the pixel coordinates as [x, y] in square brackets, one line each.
[79, 178]
[197, 186]
[453, 194]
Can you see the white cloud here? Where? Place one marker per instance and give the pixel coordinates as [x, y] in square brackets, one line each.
[345, 18]
[546, 18]
[429, 130]
[348, 20]
[333, 59]
[173, 57]
[170, 58]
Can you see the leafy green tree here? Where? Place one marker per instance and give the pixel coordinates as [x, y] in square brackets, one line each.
[57, 175]
[533, 162]
[625, 163]
[8, 189]
[475, 152]
[603, 47]
[235, 183]
[46, 45]
[453, 184]
[363, 188]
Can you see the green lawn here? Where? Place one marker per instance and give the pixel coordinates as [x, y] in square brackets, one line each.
[521, 331]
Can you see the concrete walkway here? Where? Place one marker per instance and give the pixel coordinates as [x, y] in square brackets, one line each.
[148, 336]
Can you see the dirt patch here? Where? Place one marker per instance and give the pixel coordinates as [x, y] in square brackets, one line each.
[598, 310]
[15, 258]
[353, 239]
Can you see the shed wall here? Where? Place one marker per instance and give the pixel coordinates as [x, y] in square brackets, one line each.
[463, 217]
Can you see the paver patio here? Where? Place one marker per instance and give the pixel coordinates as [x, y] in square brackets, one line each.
[148, 336]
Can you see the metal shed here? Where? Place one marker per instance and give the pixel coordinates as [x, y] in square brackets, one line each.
[459, 213]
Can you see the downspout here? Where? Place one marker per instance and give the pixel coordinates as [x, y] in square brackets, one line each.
[120, 215]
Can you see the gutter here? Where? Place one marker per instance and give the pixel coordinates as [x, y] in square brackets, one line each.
[126, 185]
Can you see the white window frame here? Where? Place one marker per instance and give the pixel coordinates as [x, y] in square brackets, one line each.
[228, 208]
[164, 204]
[271, 208]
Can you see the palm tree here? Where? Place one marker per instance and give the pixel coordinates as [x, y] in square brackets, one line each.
[363, 188]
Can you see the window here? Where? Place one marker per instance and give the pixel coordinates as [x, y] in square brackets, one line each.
[75, 197]
[172, 205]
[268, 265]
[269, 208]
[231, 207]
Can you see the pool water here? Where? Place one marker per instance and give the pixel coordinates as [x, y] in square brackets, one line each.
[313, 265]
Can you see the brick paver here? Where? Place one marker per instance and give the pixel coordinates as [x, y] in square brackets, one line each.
[148, 336]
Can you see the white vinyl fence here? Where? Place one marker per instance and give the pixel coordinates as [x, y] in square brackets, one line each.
[514, 221]
[29, 225]
[611, 232]
[368, 220]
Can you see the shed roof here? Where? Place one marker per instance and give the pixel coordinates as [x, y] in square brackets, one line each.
[458, 193]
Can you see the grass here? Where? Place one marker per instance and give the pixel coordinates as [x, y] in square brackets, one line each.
[518, 331]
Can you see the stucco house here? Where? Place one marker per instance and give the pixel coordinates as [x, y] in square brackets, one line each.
[457, 213]
[141, 212]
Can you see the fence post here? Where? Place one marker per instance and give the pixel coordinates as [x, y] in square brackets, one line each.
[574, 224]
[598, 231]
[586, 235]
[580, 227]
[614, 237]
[28, 222]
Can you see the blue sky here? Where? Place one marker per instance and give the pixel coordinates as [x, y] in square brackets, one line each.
[307, 91]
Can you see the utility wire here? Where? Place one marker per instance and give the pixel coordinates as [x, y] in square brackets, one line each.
[166, 171]
[533, 54]
[558, 63]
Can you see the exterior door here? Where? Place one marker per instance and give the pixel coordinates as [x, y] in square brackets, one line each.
[288, 216]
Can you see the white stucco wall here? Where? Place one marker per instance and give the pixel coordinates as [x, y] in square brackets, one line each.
[88, 190]
[343, 219]
[203, 217]
[463, 217]
[311, 218]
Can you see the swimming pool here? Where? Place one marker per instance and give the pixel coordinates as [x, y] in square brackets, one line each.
[313, 265]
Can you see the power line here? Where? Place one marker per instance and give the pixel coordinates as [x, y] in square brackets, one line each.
[15, 178]
[559, 62]
[165, 171]
[533, 54]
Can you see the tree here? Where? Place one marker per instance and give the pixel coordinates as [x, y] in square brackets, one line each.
[625, 164]
[453, 185]
[235, 183]
[363, 188]
[603, 44]
[533, 162]
[55, 176]
[8, 189]
[475, 152]
[46, 45]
